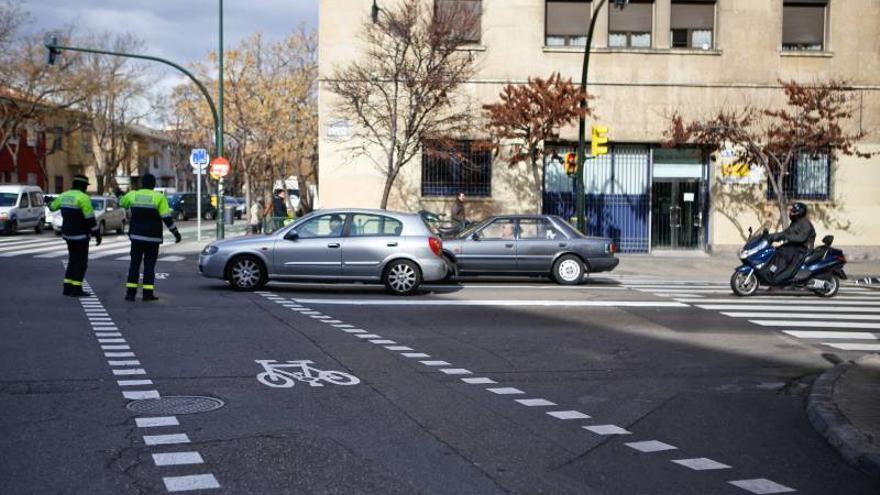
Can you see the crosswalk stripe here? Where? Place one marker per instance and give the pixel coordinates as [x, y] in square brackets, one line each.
[815, 334]
[838, 301]
[92, 249]
[781, 307]
[29, 240]
[34, 250]
[27, 245]
[111, 252]
[854, 347]
[815, 324]
[807, 316]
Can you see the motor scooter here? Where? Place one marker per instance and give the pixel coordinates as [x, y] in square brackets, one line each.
[820, 271]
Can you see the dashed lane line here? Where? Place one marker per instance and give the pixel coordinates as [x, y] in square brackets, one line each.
[492, 302]
[760, 486]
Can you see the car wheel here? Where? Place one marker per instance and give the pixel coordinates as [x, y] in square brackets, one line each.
[210, 216]
[121, 229]
[402, 277]
[102, 228]
[246, 273]
[568, 270]
[180, 217]
[13, 228]
[39, 227]
[831, 289]
[744, 284]
[450, 271]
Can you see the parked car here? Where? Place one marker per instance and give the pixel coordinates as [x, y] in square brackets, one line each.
[396, 249]
[529, 245]
[47, 213]
[108, 215]
[237, 204]
[446, 229]
[21, 207]
[184, 206]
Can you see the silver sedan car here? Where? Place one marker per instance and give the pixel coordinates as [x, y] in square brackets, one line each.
[396, 249]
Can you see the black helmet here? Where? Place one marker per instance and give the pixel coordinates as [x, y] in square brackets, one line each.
[797, 211]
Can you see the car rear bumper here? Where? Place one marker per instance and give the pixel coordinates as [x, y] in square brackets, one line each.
[605, 264]
[434, 269]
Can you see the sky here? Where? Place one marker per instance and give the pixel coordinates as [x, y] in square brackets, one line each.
[180, 30]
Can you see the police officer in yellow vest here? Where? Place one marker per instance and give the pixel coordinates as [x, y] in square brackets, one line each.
[79, 223]
[149, 209]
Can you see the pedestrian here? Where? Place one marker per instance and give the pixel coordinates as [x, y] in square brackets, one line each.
[458, 214]
[79, 223]
[149, 209]
[278, 209]
[255, 219]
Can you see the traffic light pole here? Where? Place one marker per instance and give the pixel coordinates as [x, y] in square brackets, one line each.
[221, 207]
[582, 126]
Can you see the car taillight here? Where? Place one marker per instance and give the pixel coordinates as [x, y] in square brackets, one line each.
[613, 248]
[436, 245]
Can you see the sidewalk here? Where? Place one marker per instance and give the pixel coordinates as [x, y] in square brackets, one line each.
[844, 407]
[700, 266]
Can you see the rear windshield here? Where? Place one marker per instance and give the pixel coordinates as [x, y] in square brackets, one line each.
[98, 204]
[8, 199]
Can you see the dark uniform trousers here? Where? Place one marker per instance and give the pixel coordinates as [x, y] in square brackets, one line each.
[149, 253]
[77, 262]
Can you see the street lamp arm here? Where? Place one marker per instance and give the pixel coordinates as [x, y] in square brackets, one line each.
[187, 73]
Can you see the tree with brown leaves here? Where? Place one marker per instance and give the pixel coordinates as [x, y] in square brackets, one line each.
[530, 115]
[812, 121]
[401, 93]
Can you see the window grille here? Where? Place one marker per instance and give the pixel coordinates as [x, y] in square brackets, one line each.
[456, 166]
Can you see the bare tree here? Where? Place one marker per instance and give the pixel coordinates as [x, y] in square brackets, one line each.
[811, 123]
[529, 116]
[402, 91]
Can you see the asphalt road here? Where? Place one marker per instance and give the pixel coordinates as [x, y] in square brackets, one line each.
[486, 387]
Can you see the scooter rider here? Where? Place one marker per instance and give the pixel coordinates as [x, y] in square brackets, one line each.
[798, 240]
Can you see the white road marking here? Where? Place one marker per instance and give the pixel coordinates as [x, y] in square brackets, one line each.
[536, 402]
[701, 464]
[111, 341]
[505, 391]
[353, 330]
[607, 430]
[807, 334]
[130, 371]
[830, 309]
[133, 383]
[650, 446]
[814, 324]
[118, 354]
[140, 394]
[568, 415]
[112, 252]
[854, 347]
[398, 348]
[170, 439]
[368, 336]
[177, 459]
[761, 486]
[115, 348]
[805, 316]
[496, 302]
[415, 354]
[171, 258]
[523, 286]
[331, 321]
[479, 381]
[382, 341]
[434, 363]
[320, 317]
[311, 312]
[95, 319]
[456, 371]
[108, 334]
[343, 325]
[838, 301]
[190, 482]
[156, 421]
[111, 244]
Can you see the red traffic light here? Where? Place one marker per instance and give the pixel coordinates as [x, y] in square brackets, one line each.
[571, 165]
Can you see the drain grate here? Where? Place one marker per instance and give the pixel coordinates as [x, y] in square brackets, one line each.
[181, 404]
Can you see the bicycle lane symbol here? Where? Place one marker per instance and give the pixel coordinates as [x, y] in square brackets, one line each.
[285, 374]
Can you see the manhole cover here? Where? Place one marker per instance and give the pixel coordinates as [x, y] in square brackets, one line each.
[182, 404]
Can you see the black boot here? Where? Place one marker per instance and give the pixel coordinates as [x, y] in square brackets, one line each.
[68, 289]
[130, 294]
[149, 296]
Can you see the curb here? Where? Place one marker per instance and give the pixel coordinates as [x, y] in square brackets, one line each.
[827, 419]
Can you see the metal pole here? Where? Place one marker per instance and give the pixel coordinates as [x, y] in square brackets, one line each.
[582, 127]
[199, 203]
[220, 206]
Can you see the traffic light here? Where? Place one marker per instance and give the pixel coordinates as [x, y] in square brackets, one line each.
[54, 53]
[571, 164]
[598, 140]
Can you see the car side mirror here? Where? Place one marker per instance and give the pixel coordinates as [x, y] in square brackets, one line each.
[828, 240]
[292, 235]
[475, 236]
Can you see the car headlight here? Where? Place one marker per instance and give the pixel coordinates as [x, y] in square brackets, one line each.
[209, 250]
[4, 215]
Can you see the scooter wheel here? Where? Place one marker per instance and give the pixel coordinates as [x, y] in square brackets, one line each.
[742, 285]
[831, 289]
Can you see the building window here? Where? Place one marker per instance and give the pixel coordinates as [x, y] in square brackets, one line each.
[85, 141]
[567, 22]
[692, 24]
[803, 25]
[458, 166]
[631, 27]
[465, 13]
[58, 139]
[59, 184]
[809, 177]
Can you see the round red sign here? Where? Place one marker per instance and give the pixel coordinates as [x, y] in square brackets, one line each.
[220, 167]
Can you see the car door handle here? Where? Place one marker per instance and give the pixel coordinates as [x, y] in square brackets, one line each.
[333, 245]
[562, 244]
[508, 245]
[392, 244]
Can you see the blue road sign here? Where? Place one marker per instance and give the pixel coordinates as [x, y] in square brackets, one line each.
[199, 157]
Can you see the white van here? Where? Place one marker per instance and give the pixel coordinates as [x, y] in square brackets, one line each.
[21, 207]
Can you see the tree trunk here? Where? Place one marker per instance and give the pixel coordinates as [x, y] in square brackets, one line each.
[781, 199]
[539, 190]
